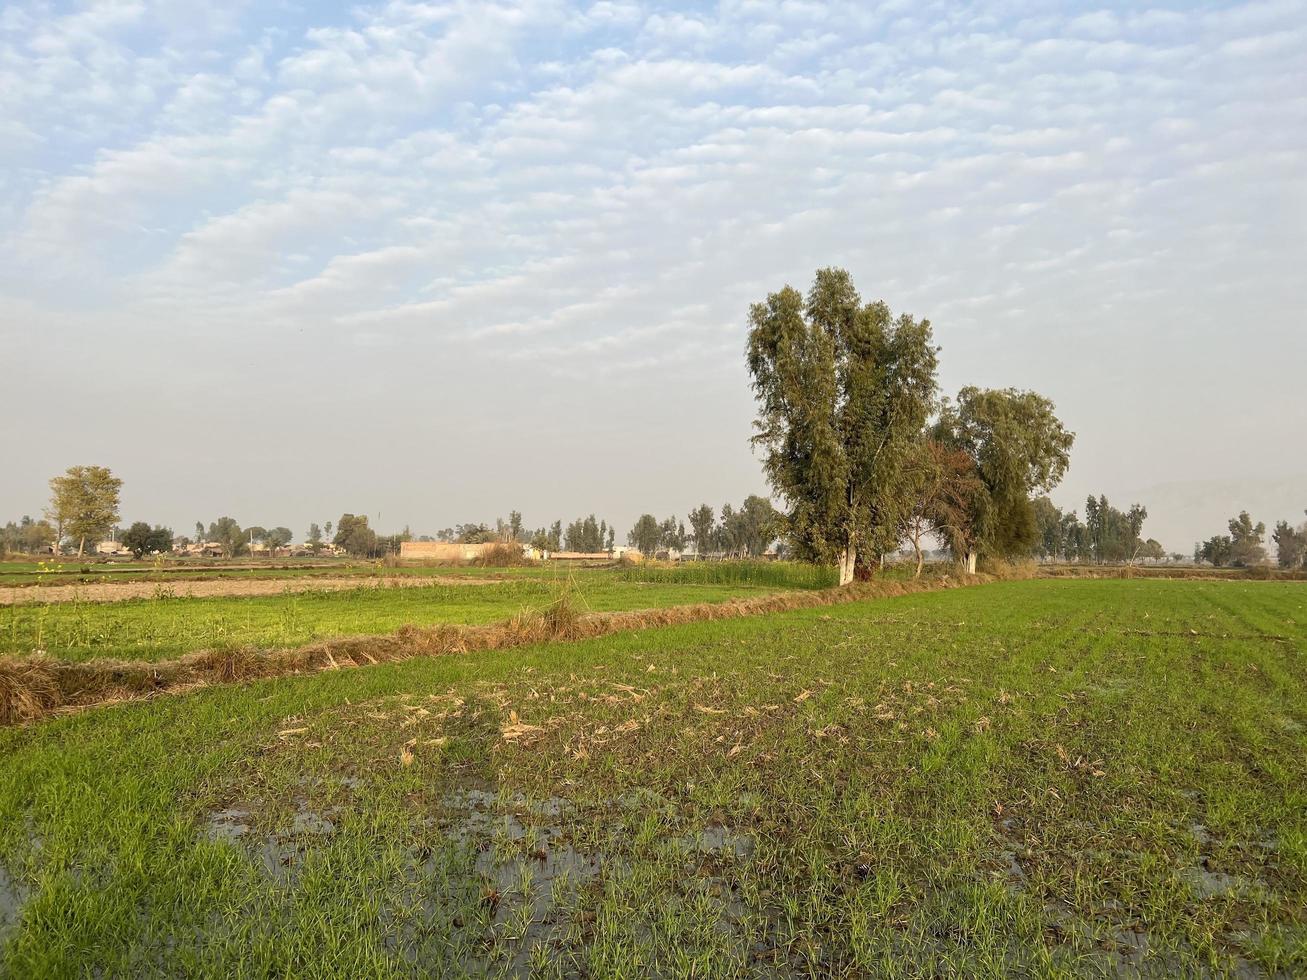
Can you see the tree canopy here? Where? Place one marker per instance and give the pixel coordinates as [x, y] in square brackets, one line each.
[84, 503]
[843, 389]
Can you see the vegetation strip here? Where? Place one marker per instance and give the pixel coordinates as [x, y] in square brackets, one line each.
[35, 686]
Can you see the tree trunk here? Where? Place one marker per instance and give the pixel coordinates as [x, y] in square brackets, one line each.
[81, 543]
[847, 561]
[916, 545]
[971, 563]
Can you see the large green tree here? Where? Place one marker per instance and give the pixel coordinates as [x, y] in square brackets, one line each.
[354, 535]
[1019, 447]
[141, 539]
[1246, 541]
[844, 389]
[84, 503]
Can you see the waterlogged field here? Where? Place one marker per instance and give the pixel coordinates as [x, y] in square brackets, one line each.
[166, 626]
[1046, 778]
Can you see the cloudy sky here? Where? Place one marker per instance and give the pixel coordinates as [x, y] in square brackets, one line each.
[433, 261]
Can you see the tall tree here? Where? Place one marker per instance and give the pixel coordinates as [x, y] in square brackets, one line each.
[1019, 447]
[1290, 545]
[701, 527]
[84, 503]
[1246, 541]
[844, 390]
[314, 538]
[645, 535]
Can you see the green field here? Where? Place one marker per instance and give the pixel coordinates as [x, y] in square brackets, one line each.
[157, 628]
[1026, 778]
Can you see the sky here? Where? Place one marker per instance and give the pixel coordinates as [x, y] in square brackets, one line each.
[435, 261]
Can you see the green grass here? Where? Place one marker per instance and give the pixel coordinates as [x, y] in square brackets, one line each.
[773, 574]
[1042, 778]
[158, 628]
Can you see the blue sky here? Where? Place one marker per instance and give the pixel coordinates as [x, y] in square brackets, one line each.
[440, 260]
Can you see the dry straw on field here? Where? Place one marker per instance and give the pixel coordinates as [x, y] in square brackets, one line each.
[35, 686]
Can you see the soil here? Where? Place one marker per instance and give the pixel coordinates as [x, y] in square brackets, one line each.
[120, 591]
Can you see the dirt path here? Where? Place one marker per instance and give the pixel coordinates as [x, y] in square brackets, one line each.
[120, 591]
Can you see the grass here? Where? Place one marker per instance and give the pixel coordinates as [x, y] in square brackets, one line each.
[769, 574]
[1040, 778]
[164, 627]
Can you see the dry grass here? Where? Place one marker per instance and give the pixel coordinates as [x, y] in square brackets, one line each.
[501, 556]
[36, 686]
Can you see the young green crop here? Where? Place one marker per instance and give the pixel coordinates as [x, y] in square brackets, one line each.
[1045, 778]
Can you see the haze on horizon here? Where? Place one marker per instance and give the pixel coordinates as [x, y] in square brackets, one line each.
[437, 261]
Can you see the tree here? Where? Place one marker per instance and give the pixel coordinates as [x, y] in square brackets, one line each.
[933, 472]
[276, 537]
[844, 390]
[354, 535]
[199, 532]
[701, 527]
[645, 535]
[1290, 545]
[1246, 541]
[671, 534]
[1217, 550]
[515, 525]
[583, 534]
[142, 540]
[1152, 549]
[226, 532]
[314, 538]
[84, 503]
[1019, 447]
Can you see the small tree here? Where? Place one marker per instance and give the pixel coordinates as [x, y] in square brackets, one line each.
[843, 391]
[226, 532]
[314, 538]
[84, 503]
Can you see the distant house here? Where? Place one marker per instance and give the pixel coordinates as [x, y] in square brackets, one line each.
[454, 550]
[111, 548]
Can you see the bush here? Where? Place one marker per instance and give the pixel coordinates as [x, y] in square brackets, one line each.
[501, 556]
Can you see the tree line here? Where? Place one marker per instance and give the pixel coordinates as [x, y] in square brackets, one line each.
[1245, 545]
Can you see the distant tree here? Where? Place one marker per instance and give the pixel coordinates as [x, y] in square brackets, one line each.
[671, 534]
[354, 535]
[1246, 541]
[199, 532]
[515, 525]
[1290, 545]
[314, 538]
[84, 503]
[757, 525]
[556, 536]
[137, 538]
[645, 535]
[226, 532]
[843, 390]
[1019, 447]
[1134, 522]
[474, 534]
[611, 539]
[326, 529]
[26, 536]
[1152, 550]
[1217, 550]
[277, 537]
[701, 527]
[583, 534]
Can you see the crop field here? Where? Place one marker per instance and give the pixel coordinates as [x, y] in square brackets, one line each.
[1050, 778]
[167, 625]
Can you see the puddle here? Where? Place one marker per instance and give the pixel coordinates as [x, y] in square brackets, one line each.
[1210, 884]
[227, 825]
[12, 896]
[717, 840]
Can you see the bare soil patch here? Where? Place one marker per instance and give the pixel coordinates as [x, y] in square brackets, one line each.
[121, 591]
